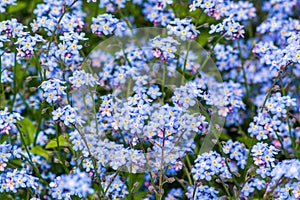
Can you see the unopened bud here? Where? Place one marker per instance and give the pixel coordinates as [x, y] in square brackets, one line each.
[151, 189]
[171, 180]
[32, 89]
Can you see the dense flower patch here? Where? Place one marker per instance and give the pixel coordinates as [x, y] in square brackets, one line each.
[201, 104]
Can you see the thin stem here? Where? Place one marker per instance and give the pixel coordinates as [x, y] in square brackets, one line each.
[227, 165]
[122, 15]
[37, 129]
[59, 150]
[29, 158]
[91, 155]
[273, 84]
[55, 29]
[160, 190]
[224, 186]
[293, 139]
[2, 95]
[15, 83]
[208, 56]
[185, 61]
[186, 169]
[198, 20]
[244, 71]
[283, 149]
[116, 174]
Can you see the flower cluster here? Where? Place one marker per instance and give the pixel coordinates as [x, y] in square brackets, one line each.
[209, 164]
[227, 57]
[48, 14]
[112, 6]
[149, 113]
[240, 10]
[69, 47]
[7, 61]
[263, 154]
[54, 90]
[27, 45]
[280, 53]
[175, 193]
[66, 114]
[202, 192]
[158, 12]
[286, 168]
[107, 24]
[269, 124]
[115, 189]
[251, 185]
[4, 4]
[164, 48]
[182, 28]
[67, 186]
[12, 180]
[229, 28]
[81, 78]
[8, 152]
[274, 8]
[8, 121]
[237, 152]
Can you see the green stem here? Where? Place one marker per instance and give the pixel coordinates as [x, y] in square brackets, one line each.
[225, 187]
[293, 139]
[15, 83]
[163, 82]
[209, 55]
[131, 188]
[2, 94]
[92, 158]
[273, 84]
[97, 8]
[38, 128]
[283, 149]
[29, 158]
[187, 170]
[227, 165]
[59, 150]
[112, 180]
[161, 170]
[55, 29]
[185, 62]
[244, 71]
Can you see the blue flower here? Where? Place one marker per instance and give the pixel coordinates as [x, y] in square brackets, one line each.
[263, 154]
[11, 180]
[4, 4]
[53, 89]
[65, 186]
[66, 114]
[247, 189]
[8, 120]
[107, 24]
[207, 165]
[236, 151]
[183, 28]
[204, 192]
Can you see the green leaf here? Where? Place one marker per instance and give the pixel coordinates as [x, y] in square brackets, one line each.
[140, 195]
[16, 162]
[3, 138]
[40, 151]
[63, 142]
[135, 182]
[224, 136]
[16, 8]
[28, 129]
